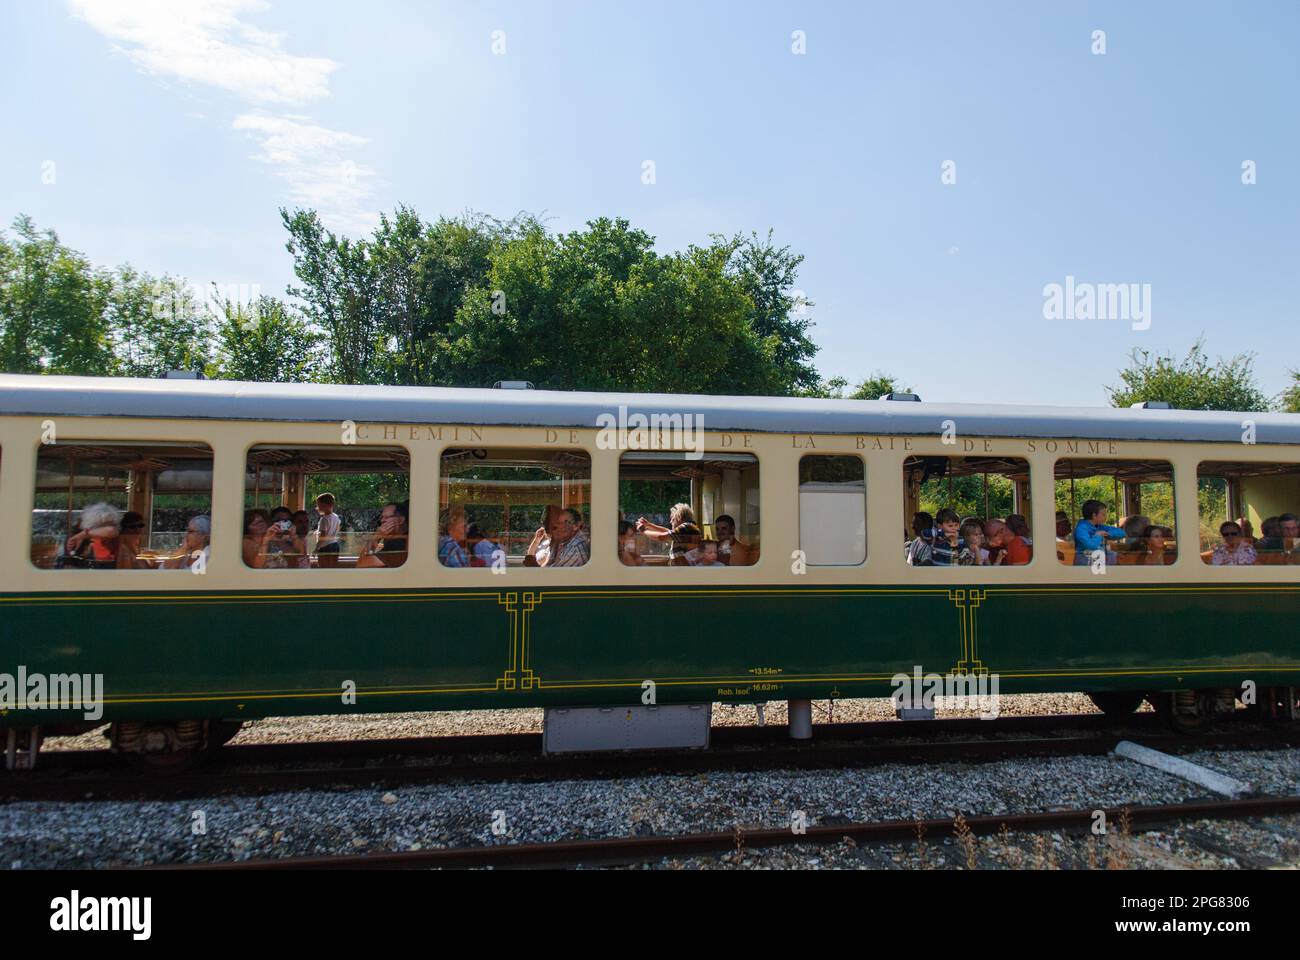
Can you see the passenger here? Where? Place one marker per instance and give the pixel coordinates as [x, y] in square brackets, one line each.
[1154, 549]
[731, 550]
[451, 536]
[1020, 527]
[328, 543]
[256, 523]
[1247, 530]
[1234, 551]
[569, 544]
[128, 543]
[198, 534]
[919, 547]
[1062, 525]
[281, 544]
[1013, 550]
[948, 548]
[705, 555]
[387, 548]
[302, 527]
[487, 548]
[1134, 529]
[96, 545]
[972, 531]
[1092, 532]
[627, 554]
[1271, 541]
[1290, 531]
[682, 532]
[541, 543]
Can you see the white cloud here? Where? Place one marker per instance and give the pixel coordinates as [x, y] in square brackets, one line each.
[209, 43]
[206, 42]
[312, 161]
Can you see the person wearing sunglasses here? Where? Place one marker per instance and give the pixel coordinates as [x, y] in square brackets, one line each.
[197, 535]
[1234, 551]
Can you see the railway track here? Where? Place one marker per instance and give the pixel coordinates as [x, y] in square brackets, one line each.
[262, 768]
[626, 850]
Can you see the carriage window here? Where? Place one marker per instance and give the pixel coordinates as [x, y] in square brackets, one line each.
[833, 510]
[118, 505]
[967, 511]
[1112, 512]
[326, 507]
[508, 507]
[1248, 513]
[678, 512]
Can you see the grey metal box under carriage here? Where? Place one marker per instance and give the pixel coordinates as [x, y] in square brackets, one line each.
[569, 730]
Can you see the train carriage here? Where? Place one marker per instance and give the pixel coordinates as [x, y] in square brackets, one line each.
[817, 496]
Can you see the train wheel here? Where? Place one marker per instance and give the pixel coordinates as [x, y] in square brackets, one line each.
[1189, 711]
[158, 747]
[1116, 704]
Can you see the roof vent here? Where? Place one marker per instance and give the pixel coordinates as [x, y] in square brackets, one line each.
[513, 385]
[184, 375]
[901, 396]
[1151, 405]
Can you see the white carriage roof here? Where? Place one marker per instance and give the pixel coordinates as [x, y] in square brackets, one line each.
[228, 400]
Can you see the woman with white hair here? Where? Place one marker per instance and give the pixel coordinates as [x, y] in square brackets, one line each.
[198, 533]
[96, 545]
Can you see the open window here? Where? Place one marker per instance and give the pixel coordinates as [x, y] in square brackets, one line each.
[966, 511]
[1248, 513]
[674, 511]
[326, 507]
[514, 507]
[118, 505]
[1115, 512]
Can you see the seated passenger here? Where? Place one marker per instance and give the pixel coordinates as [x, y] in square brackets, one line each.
[731, 550]
[1290, 531]
[569, 544]
[1134, 527]
[281, 544]
[627, 554]
[1020, 527]
[302, 527]
[1270, 540]
[197, 535]
[705, 555]
[1062, 525]
[451, 537]
[1153, 548]
[128, 544]
[948, 548]
[1013, 550]
[95, 546]
[256, 522]
[1247, 530]
[972, 531]
[387, 548]
[1092, 532]
[918, 548]
[1234, 551]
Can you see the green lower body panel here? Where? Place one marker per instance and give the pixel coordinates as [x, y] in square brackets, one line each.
[255, 654]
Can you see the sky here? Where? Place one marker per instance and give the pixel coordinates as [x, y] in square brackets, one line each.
[939, 165]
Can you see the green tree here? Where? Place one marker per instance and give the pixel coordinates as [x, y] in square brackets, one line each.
[1192, 383]
[52, 306]
[155, 325]
[1290, 401]
[264, 341]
